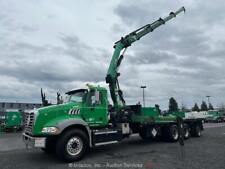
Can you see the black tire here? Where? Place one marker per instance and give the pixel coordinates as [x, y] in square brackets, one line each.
[50, 145]
[72, 139]
[196, 131]
[173, 134]
[186, 131]
[144, 136]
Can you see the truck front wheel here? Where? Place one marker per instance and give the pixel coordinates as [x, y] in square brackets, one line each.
[72, 145]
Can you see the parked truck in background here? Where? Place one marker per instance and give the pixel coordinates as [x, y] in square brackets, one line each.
[215, 116]
[12, 121]
[2, 123]
[87, 119]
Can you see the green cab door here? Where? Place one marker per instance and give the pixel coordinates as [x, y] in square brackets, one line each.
[95, 112]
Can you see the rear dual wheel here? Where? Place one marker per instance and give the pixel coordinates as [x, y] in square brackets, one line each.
[196, 131]
[143, 134]
[186, 131]
[170, 133]
[173, 133]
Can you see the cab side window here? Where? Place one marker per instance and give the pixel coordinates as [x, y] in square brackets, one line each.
[94, 98]
[90, 97]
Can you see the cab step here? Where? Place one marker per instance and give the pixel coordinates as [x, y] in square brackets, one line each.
[107, 136]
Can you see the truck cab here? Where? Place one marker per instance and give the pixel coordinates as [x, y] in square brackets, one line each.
[84, 109]
[92, 105]
[13, 120]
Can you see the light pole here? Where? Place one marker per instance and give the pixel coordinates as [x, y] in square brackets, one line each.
[143, 89]
[208, 99]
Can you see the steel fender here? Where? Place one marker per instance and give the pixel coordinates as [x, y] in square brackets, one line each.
[69, 122]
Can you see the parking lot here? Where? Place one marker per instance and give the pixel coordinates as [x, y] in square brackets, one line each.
[206, 152]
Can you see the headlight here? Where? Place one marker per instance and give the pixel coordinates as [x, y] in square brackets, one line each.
[52, 130]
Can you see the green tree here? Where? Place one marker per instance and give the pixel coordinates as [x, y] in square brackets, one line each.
[211, 106]
[173, 106]
[195, 108]
[204, 106]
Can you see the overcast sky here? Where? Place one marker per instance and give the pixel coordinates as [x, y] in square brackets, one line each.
[60, 45]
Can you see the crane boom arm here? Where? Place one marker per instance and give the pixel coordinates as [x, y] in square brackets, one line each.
[112, 74]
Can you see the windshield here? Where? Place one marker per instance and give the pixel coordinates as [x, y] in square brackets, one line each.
[76, 97]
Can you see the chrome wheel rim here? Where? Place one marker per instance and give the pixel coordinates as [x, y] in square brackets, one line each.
[175, 134]
[74, 146]
[186, 133]
[199, 133]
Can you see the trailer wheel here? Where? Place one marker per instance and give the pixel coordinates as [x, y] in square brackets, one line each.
[144, 136]
[146, 133]
[173, 134]
[186, 131]
[196, 131]
[72, 145]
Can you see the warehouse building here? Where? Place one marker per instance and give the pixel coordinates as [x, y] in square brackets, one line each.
[16, 106]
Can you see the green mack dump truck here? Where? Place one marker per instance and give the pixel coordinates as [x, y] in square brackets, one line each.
[12, 121]
[87, 119]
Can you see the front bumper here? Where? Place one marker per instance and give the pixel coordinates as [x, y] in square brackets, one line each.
[32, 142]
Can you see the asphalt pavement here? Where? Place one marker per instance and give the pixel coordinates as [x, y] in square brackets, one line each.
[206, 152]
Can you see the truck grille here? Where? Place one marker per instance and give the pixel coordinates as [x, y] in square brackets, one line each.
[29, 123]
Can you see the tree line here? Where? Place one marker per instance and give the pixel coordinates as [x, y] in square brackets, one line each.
[173, 106]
